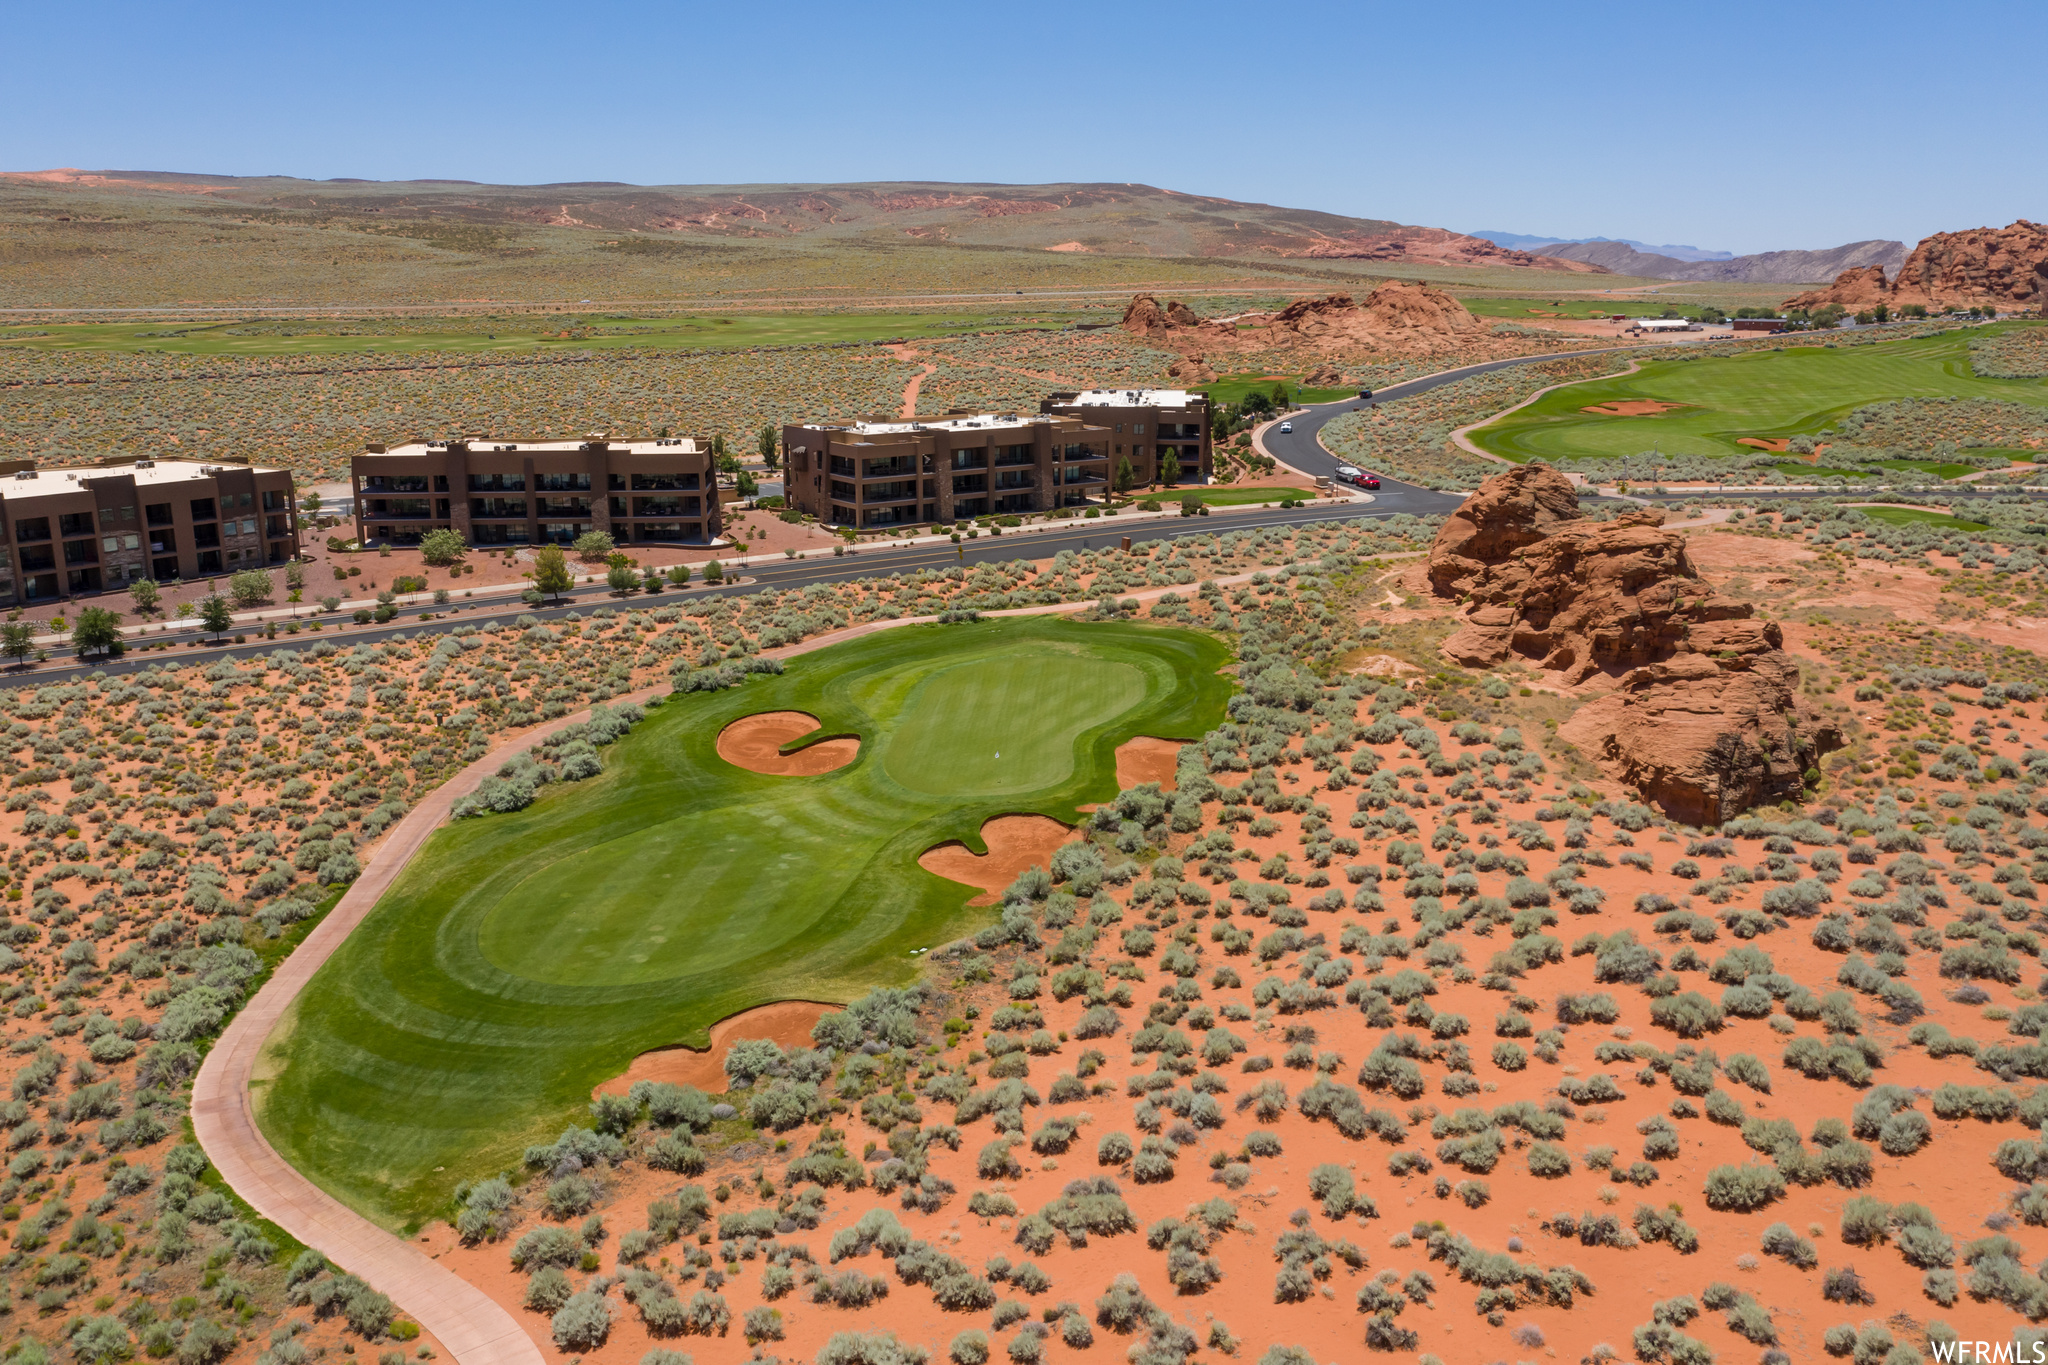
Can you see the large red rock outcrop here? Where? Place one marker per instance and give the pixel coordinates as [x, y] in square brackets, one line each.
[1855, 289]
[1701, 709]
[2005, 266]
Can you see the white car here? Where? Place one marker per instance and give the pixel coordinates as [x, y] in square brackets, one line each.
[1287, 428]
[1348, 474]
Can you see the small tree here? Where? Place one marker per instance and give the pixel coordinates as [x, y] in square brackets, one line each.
[679, 574]
[442, 546]
[770, 448]
[551, 571]
[146, 596]
[18, 640]
[98, 632]
[250, 587]
[295, 574]
[594, 546]
[215, 614]
[310, 504]
[1169, 468]
[1125, 477]
[621, 579]
[746, 485]
[714, 572]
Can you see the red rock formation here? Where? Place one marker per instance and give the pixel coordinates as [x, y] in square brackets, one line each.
[1191, 369]
[1855, 289]
[1703, 715]
[2005, 266]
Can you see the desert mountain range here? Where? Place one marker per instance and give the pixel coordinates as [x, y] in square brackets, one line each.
[1115, 219]
[1764, 267]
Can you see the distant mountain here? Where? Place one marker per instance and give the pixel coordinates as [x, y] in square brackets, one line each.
[1111, 219]
[1766, 267]
[1523, 242]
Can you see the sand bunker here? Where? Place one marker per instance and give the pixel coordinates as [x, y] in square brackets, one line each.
[755, 743]
[1634, 407]
[1765, 443]
[1015, 842]
[787, 1022]
[1145, 759]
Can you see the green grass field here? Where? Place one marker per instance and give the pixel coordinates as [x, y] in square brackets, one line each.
[1228, 495]
[1234, 388]
[523, 958]
[1913, 516]
[514, 333]
[1764, 393]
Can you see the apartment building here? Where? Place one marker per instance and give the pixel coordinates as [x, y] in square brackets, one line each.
[1144, 426]
[77, 532]
[876, 474]
[504, 492]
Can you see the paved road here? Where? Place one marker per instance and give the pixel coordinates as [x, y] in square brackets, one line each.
[763, 574]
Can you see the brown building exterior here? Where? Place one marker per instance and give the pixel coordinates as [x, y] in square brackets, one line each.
[1144, 425]
[874, 475]
[77, 532]
[1758, 324]
[502, 492]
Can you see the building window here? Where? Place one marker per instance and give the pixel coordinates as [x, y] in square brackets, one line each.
[561, 483]
[32, 528]
[206, 536]
[1014, 502]
[81, 552]
[970, 459]
[390, 483]
[666, 530]
[563, 507]
[842, 490]
[842, 516]
[497, 507]
[203, 510]
[890, 492]
[667, 507]
[157, 514]
[497, 483]
[664, 483]
[501, 533]
[562, 532]
[970, 483]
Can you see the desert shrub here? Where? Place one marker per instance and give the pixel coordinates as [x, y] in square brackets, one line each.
[1741, 1189]
[1781, 1241]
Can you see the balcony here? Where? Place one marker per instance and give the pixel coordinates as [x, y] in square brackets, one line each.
[497, 483]
[664, 483]
[563, 507]
[970, 483]
[970, 459]
[497, 507]
[902, 490]
[561, 483]
[666, 507]
[1012, 456]
[387, 483]
[889, 469]
[1016, 478]
[842, 466]
[401, 507]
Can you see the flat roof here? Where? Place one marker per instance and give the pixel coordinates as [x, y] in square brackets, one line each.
[1133, 398]
[145, 474]
[975, 422]
[483, 445]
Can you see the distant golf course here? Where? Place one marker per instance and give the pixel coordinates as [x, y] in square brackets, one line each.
[523, 958]
[1708, 406]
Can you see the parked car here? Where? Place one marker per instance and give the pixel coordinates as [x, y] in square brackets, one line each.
[1287, 428]
[1368, 481]
[1349, 473]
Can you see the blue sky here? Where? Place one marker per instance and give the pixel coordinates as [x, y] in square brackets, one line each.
[1742, 127]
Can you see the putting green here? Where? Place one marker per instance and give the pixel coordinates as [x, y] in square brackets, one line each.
[521, 959]
[1771, 394]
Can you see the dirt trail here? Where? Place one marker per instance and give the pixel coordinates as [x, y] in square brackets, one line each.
[910, 389]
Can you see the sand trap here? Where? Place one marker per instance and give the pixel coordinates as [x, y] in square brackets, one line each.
[1765, 443]
[1634, 407]
[755, 743]
[1070, 246]
[787, 1022]
[1145, 759]
[1015, 842]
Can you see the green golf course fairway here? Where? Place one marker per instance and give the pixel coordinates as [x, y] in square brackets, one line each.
[521, 959]
[1763, 393]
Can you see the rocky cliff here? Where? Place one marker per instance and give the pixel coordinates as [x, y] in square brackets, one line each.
[1399, 317]
[1764, 267]
[1695, 703]
[2007, 267]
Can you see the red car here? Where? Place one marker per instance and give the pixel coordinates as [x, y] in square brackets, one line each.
[1368, 481]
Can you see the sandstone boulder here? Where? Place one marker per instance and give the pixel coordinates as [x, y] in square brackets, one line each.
[1325, 376]
[2006, 267]
[1853, 289]
[1700, 711]
[1191, 369]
